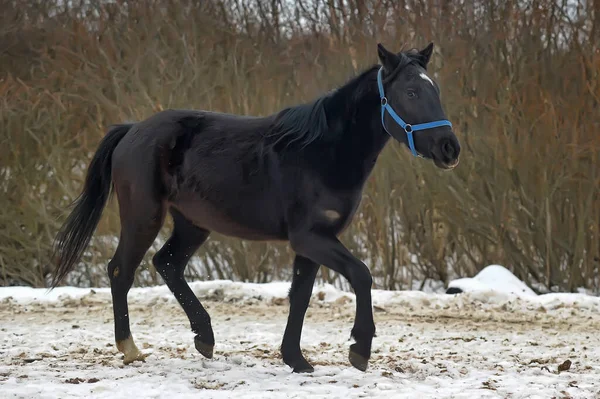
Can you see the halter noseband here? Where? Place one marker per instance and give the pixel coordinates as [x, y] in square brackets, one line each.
[408, 128]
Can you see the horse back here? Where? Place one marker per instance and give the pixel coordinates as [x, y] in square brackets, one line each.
[212, 168]
[213, 171]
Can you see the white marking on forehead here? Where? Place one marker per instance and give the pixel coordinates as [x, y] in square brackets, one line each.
[425, 77]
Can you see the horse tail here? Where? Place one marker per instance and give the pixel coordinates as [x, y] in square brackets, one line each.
[76, 233]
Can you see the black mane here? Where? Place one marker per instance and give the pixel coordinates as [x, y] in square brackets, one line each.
[320, 119]
[406, 58]
[413, 56]
[301, 124]
[325, 117]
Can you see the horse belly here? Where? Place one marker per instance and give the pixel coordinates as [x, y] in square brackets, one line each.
[250, 221]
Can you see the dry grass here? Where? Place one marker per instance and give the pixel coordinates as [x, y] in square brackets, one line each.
[520, 82]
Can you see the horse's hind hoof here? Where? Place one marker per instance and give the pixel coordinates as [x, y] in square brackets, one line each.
[205, 349]
[130, 351]
[134, 358]
[358, 361]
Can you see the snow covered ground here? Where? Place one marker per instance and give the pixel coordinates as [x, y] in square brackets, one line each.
[478, 344]
[493, 277]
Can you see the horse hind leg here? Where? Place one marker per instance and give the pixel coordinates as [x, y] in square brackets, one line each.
[170, 262]
[140, 223]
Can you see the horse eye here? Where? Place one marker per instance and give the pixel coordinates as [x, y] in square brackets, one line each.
[411, 94]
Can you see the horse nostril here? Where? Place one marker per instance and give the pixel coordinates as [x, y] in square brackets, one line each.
[448, 150]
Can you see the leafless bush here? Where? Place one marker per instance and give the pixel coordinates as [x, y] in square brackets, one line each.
[520, 81]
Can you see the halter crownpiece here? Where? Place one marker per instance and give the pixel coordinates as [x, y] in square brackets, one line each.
[408, 128]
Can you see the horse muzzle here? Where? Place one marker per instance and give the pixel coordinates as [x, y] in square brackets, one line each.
[446, 152]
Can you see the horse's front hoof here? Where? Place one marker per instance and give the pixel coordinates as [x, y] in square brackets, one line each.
[358, 361]
[303, 366]
[205, 349]
[297, 362]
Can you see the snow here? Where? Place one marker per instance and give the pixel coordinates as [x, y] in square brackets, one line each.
[484, 343]
[493, 278]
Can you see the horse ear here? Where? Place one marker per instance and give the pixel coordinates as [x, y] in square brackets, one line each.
[426, 54]
[388, 59]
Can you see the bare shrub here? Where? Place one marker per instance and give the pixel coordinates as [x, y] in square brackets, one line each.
[520, 81]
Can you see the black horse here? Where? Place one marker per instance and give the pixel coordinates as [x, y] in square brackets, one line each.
[296, 176]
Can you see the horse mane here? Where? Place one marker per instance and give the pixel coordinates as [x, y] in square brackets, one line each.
[306, 123]
[301, 124]
[413, 56]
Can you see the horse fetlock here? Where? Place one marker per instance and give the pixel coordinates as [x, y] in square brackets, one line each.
[204, 331]
[363, 333]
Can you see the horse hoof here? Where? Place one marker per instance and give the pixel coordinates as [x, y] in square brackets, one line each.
[130, 351]
[303, 366]
[134, 357]
[306, 369]
[358, 361]
[205, 350]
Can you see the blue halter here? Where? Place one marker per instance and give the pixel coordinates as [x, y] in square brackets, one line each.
[408, 128]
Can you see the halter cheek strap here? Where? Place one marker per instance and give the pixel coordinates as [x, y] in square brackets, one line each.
[408, 128]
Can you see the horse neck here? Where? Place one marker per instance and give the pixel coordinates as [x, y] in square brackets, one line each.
[356, 137]
[355, 110]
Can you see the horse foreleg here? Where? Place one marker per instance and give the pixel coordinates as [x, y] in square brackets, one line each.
[305, 272]
[329, 251]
